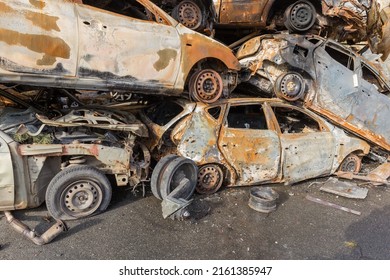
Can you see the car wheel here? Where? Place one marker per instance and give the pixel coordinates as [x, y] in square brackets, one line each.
[157, 173]
[210, 179]
[77, 192]
[178, 169]
[189, 14]
[352, 163]
[290, 86]
[206, 85]
[300, 16]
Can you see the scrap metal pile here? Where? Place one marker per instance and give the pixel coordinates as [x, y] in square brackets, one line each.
[137, 93]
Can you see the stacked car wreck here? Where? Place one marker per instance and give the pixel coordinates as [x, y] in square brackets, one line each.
[99, 93]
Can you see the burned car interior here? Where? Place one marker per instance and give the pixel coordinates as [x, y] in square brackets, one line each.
[149, 95]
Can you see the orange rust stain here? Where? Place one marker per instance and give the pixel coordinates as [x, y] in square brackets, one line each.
[94, 150]
[46, 60]
[38, 4]
[43, 21]
[4, 8]
[50, 46]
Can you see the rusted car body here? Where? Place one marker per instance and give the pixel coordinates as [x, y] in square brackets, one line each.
[337, 19]
[327, 77]
[68, 45]
[65, 161]
[248, 141]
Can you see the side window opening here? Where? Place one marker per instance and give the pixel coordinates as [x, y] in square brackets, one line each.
[340, 57]
[300, 51]
[163, 112]
[294, 121]
[247, 117]
[372, 78]
[215, 112]
[130, 8]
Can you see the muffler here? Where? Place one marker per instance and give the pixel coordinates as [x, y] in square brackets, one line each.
[45, 238]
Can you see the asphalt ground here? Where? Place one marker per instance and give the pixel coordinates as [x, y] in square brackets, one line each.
[222, 226]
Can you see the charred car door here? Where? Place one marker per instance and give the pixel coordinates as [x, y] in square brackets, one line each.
[242, 12]
[248, 144]
[308, 148]
[37, 39]
[116, 51]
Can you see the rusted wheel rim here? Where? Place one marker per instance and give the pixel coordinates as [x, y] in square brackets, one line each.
[351, 163]
[207, 86]
[210, 178]
[290, 86]
[82, 198]
[190, 15]
[301, 16]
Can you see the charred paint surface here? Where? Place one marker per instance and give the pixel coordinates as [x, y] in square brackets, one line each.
[165, 57]
[49, 46]
[43, 21]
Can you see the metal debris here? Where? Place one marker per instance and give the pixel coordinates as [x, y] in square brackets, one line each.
[45, 238]
[378, 176]
[263, 199]
[326, 203]
[342, 188]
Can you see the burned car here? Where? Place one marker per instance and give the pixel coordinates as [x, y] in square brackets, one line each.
[326, 77]
[67, 161]
[340, 19]
[68, 45]
[247, 141]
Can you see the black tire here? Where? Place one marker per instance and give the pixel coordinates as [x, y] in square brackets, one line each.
[77, 192]
[176, 170]
[300, 16]
[158, 170]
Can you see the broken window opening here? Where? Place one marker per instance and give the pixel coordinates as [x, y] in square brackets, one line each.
[247, 116]
[294, 121]
[163, 112]
[341, 57]
[298, 50]
[214, 112]
[372, 78]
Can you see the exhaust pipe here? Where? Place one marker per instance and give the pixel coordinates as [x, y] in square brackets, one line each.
[45, 238]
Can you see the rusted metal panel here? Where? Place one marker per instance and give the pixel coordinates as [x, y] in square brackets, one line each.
[254, 154]
[133, 49]
[98, 119]
[302, 159]
[113, 158]
[202, 149]
[36, 37]
[247, 12]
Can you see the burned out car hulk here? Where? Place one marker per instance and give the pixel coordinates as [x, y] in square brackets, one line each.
[246, 141]
[69, 45]
[326, 78]
[66, 161]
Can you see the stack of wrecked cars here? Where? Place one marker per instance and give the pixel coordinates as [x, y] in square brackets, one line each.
[70, 127]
